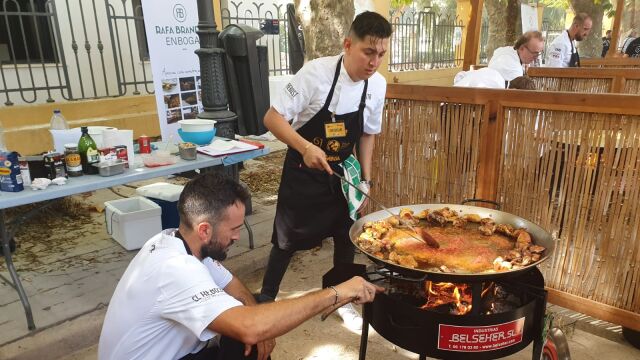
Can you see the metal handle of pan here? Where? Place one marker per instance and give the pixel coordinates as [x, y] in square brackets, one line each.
[494, 203]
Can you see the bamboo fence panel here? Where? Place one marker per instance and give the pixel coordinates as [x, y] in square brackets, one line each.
[610, 63]
[632, 86]
[602, 85]
[576, 174]
[427, 152]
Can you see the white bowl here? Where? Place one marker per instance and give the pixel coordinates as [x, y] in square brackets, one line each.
[196, 125]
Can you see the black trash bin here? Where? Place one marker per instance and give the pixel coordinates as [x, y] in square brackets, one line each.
[248, 77]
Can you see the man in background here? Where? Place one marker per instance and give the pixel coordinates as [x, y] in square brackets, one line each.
[511, 61]
[606, 43]
[563, 51]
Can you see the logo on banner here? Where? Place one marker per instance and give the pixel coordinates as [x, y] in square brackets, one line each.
[179, 13]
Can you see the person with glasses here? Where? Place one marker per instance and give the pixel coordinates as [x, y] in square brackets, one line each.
[511, 61]
[563, 51]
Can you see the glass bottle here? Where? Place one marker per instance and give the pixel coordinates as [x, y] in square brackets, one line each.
[88, 152]
[58, 122]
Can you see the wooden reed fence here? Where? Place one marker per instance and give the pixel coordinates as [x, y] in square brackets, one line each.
[587, 80]
[617, 62]
[566, 161]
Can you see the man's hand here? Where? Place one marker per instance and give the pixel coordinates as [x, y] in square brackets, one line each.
[264, 349]
[315, 158]
[359, 289]
[366, 189]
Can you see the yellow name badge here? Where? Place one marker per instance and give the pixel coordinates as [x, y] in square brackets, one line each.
[334, 130]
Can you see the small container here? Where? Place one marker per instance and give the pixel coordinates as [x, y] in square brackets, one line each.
[106, 154]
[110, 168]
[122, 154]
[145, 144]
[72, 160]
[24, 171]
[54, 164]
[187, 151]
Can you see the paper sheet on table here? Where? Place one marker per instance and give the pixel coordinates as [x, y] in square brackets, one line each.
[219, 147]
[61, 137]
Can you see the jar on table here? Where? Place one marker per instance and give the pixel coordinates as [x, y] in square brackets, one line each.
[72, 160]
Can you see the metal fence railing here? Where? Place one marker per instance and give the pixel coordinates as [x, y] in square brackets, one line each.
[71, 50]
[57, 50]
[425, 40]
[253, 14]
[549, 35]
[484, 39]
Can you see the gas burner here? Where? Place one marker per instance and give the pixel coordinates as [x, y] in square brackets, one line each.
[471, 320]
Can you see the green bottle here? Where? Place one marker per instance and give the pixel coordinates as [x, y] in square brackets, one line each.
[88, 152]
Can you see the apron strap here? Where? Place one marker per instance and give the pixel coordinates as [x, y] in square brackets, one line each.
[333, 86]
[360, 120]
[574, 52]
[363, 100]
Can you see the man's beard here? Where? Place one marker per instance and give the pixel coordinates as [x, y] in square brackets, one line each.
[213, 250]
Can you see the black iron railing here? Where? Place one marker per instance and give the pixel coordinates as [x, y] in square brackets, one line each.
[72, 50]
[425, 40]
[253, 14]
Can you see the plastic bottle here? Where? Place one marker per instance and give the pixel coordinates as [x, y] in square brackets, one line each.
[88, 152]
[3, 145]
[58, 122]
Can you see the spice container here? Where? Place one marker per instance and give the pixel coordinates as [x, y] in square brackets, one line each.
[54, 165]
[110, 168]
[72, 160]
[187, 151]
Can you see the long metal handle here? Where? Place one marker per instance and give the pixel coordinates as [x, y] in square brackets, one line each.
[414, 233]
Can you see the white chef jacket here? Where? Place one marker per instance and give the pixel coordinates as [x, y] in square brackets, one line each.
[164, 302]
[307, 92]
[506, 61]
[560, 51]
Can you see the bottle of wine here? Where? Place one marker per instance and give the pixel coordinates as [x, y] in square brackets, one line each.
[88, 152]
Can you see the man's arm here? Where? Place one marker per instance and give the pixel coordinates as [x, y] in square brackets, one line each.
[253, 324]
[555, 56]
[312, 155]
[366, 155]
[237, 289]
[240, 292]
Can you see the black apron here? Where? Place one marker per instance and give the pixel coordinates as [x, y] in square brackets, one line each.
[575, 58]
[311, 206]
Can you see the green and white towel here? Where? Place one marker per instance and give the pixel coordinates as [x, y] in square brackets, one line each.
[354, 197]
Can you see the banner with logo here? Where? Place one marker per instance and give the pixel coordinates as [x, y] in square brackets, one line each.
[171, 27]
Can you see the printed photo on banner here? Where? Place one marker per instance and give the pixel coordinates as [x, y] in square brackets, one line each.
[170, 26]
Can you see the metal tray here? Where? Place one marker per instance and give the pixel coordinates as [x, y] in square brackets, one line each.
[110, 168]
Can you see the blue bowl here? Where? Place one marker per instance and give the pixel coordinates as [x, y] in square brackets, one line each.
[197, 137]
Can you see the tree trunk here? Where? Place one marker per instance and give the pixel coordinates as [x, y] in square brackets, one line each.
[503, 19]
[319, 18]
[592, 45]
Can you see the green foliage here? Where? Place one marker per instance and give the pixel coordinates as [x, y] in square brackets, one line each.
[397, 4]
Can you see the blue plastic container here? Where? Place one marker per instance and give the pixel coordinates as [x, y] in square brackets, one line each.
[197, 137]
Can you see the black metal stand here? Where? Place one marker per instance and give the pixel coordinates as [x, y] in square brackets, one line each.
[214, 82]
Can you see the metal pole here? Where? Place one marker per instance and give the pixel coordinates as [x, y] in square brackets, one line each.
[213, 79]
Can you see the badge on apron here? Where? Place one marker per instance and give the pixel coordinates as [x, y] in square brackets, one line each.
[335, 130]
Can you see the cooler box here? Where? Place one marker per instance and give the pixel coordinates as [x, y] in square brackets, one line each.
[132, 221]
[166, 196]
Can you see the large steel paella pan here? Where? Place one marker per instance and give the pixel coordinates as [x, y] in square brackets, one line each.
[466, 251]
